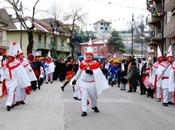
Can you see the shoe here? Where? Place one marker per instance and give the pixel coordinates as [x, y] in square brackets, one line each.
[170, 103]
[165, 104]
[95, 109]
[84, 113]
[129, 91]
[62, 88]
[75, 98]
[51, 82]
[8, 108]
[22, 102]
[46, 82]
[158, 100]
[16, 104]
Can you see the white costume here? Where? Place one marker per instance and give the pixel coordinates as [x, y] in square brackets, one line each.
[50, 67]
[172, 79]
[165, 68]
[157, 74]
[91, 85]
[15, 77]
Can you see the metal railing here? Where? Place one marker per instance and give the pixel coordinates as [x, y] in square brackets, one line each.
[4, 43]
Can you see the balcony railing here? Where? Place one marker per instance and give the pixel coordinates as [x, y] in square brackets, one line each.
[63, 48]
[41, 45]
[169, 5]
[153, 20]
[4, 44]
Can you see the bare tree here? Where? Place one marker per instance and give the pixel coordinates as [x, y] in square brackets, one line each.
[75, 16]
[55, 25]
[18, 8]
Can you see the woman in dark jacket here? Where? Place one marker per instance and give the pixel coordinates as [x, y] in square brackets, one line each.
[133, 77]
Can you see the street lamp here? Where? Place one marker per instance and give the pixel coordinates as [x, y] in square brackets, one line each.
[132, 35]
[142, 40]
[20, 17]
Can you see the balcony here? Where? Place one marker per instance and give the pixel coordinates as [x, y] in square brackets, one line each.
[63, 48]
[154, 20]
[4, 44]
[157, 37]
[169, 31]
[157, 1]
[41, 45]
[169, 5]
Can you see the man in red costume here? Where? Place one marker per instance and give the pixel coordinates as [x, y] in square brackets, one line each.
[91, 80]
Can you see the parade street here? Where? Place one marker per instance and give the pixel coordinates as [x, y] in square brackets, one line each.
[51, 109]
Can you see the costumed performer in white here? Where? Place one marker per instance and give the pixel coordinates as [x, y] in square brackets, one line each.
[91, 81]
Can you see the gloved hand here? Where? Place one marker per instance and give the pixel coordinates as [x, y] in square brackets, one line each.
[74, 82]
[89, 72]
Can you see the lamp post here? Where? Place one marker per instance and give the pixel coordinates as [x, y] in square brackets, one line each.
[20, 16]
[132, 35]
[142, 40]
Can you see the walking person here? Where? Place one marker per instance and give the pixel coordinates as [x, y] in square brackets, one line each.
[69, 72]
[157, 74]
[91, 81]
[16, 79]
[166, 67]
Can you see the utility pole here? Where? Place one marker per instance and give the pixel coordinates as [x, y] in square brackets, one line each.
[162, 25]
[132, 34]
[20, 13]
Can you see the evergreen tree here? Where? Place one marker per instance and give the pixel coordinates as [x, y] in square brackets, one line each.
[115, 43]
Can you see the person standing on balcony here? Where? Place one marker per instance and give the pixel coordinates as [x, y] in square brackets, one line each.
[91, 81]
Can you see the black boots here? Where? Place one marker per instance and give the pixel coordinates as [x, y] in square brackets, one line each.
[95, 109]
[8, 108]
[84, 113]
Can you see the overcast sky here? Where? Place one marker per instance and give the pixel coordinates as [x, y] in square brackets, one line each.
[119, 12]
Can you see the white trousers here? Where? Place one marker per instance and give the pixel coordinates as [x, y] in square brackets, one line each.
[167, 96]
[158, 92]
[88, 91]
[10, 96]
[49, 76]
[77, 94]
[20, 94]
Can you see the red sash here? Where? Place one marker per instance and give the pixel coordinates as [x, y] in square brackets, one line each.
[91, 64]
[10, 68]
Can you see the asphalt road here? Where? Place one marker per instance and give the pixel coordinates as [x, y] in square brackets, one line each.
[51, 109]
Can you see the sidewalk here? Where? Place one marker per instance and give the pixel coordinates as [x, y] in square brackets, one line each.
[44, 110]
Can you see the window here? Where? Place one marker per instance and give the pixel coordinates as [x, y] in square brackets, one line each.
[101, 28]
[85, 49]
[106, 29]
[95, 49]
[1, 36]
[101, 23]
[62, 42]
[169, 14]
[39, 37]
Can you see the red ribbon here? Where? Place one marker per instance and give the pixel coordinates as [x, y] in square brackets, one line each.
[11, 68]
